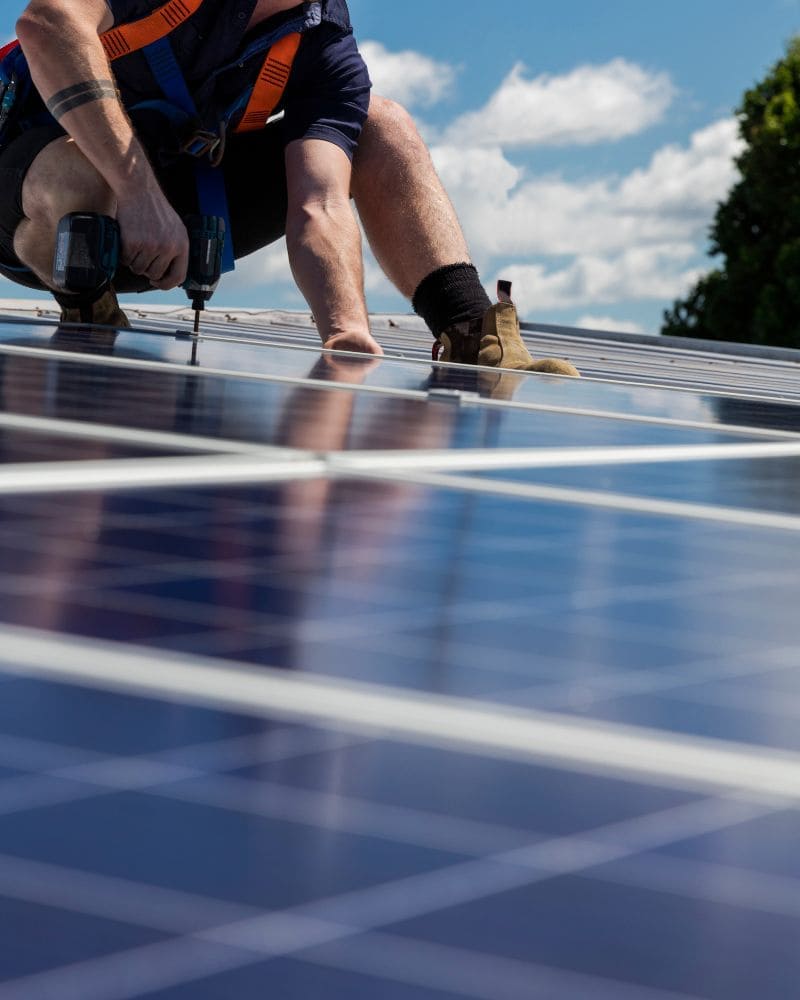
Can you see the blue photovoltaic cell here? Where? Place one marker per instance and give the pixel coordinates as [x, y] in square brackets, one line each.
[710, 947]
[760, 845]
[297, 980]
[766, 484]
[163, 845]
[39, 938]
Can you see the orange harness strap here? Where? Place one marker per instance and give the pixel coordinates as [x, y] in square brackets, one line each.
[137, 35]
[270, 84]
[272, 79]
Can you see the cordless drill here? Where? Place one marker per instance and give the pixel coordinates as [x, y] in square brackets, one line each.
[87, 256]
[206, 243]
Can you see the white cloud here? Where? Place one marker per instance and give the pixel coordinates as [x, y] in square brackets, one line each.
[407, 77]
[590, 322]
[266, 273]
[375, 281]
[482, 174]
[506, 212]
[266, 266]
[591, 104]
[658, 272]
[682, 181]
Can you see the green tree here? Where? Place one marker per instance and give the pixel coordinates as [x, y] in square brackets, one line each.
[755, 295]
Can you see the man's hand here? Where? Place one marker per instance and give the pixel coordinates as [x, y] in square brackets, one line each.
[361, 343]
[324, 244]
[155, 243]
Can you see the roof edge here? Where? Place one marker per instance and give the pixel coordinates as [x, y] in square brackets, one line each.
[726, 347]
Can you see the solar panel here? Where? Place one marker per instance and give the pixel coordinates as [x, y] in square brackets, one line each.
[330, 678]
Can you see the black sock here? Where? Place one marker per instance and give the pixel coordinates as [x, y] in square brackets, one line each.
[451, 294]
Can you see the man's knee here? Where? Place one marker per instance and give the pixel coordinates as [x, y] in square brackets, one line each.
[389, 122]
[62, 180]
[390, 150]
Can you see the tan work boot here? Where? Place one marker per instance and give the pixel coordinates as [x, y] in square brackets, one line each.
[104, 312]
[496, 342]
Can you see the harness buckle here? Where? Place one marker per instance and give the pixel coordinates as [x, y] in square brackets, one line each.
[202, 143]
[207, 143]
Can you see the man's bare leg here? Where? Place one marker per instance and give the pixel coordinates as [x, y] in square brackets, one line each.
[416, 237]
[411, 224]
[60, 180]
[407, 215]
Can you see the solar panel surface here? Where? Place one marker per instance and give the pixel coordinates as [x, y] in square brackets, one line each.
[326, 678]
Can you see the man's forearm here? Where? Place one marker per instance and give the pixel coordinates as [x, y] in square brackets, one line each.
[324, 244]
[61, 41]
[71, 72]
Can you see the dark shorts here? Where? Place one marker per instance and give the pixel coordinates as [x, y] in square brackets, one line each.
[255, 180]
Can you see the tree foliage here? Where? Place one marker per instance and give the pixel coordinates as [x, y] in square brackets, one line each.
[755, 295]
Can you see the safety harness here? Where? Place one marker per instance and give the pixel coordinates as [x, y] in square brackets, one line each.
[150, 36]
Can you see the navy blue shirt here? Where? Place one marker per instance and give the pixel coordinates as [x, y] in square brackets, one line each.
[327, 96]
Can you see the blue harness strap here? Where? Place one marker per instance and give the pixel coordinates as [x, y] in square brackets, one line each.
[210, 181]
[15, 85]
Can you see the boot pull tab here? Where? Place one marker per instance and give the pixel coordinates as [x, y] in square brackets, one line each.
[504, 292]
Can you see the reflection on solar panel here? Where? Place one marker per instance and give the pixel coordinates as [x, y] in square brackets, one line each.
[324, 678]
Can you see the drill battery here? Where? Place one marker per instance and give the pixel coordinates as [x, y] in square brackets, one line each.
[87, 252]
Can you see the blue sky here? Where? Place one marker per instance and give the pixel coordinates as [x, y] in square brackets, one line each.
[584, 144]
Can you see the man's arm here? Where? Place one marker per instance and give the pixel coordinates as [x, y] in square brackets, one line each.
[324, 243]
[60, 39]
